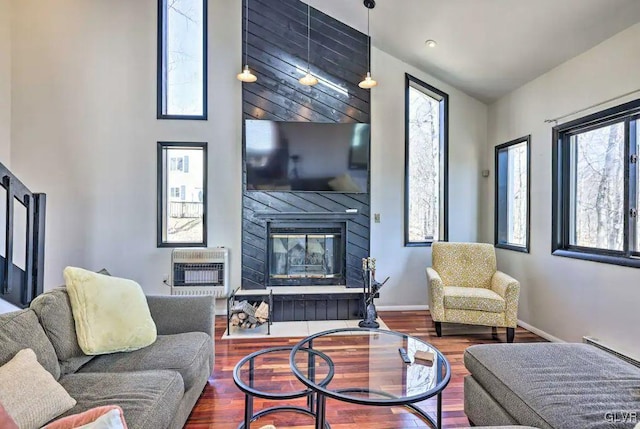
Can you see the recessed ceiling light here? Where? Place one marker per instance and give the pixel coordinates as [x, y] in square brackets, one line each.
[431, 43]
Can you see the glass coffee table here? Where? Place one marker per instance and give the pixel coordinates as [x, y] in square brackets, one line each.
[366, 369]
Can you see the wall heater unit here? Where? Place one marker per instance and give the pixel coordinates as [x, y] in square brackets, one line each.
[200, 272]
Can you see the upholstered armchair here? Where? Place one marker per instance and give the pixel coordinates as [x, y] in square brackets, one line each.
[466, 287]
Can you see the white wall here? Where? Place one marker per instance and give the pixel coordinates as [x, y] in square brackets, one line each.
[467, 141]
[567, 298]
[85, 131]
[5, 81]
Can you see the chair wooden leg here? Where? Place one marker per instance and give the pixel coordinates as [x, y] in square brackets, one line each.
[511, 334]
[494, 332]
[438, 329]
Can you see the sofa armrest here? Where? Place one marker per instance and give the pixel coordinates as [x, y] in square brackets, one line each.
[509, 289]
[436, 295]
[180, 314]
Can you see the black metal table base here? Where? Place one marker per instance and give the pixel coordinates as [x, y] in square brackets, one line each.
[435, 423]
[250, 392]
[279, 409]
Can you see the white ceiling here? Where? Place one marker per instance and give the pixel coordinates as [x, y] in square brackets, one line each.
[486, 48]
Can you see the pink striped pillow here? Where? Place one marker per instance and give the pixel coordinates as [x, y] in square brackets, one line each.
[6, 422]
[85, 418]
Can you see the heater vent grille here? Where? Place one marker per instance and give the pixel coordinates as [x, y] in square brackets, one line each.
[200, 272]
[596, 342]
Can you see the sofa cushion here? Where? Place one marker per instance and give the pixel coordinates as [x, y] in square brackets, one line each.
[75, 421]
[54, 312]
[29, 393]
[21, 330]
[552, 385]
[6, 422]
[111, 314]
[473, 298]
[149, 399]
[186, 353]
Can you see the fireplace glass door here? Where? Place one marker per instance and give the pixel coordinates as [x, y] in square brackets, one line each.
[299, 255]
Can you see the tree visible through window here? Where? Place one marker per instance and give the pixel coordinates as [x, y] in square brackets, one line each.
[597, 210]
[597, 190]
[512, 195]
[182, 59]
[426, 110]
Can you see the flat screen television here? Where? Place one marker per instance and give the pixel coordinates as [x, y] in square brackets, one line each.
[307, 156]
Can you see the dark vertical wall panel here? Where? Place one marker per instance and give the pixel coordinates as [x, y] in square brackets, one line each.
[277, 50]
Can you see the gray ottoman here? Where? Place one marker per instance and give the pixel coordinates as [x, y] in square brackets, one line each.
[550, 385]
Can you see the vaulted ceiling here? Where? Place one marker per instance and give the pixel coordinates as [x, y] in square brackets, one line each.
[486, 48]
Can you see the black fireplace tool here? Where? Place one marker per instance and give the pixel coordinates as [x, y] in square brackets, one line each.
[371, 289]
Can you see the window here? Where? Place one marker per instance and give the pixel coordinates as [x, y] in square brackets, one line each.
[179, 164]
[182, 195]
[512, 195]
[426, 138]
[596, 189]
[182, 59]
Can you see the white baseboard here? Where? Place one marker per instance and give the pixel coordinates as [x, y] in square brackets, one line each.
[401, 307]
[540, 332]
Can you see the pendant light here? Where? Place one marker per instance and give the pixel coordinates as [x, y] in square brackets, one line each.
[368, 81]
[308, 79]
[246, 75]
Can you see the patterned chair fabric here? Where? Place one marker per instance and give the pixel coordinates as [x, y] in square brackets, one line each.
[465, 264]
[466, 287]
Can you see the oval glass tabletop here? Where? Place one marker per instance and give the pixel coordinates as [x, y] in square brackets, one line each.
[367, 367]
[267, 373]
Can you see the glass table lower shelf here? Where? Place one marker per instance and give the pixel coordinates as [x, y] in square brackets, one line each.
[267, 374]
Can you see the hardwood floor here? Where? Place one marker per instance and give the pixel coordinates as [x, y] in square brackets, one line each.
[221, 405]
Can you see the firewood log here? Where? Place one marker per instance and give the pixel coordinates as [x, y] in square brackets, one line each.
[262, 312]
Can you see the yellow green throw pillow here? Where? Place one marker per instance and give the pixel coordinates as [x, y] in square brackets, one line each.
[111, 314]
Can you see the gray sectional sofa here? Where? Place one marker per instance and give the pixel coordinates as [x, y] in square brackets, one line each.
[550, 385]
[156, 386]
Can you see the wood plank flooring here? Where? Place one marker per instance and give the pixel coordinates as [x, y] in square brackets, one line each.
[221, 404]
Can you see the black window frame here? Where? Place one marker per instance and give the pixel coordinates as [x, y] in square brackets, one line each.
[629, 114]
[498, 204]
[444, 149]
[160, 193]
[161, 93]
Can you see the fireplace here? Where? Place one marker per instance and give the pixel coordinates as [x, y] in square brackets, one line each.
[306, 254]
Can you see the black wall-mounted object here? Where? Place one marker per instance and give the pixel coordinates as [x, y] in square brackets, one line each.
[277, 51]
[20, 286]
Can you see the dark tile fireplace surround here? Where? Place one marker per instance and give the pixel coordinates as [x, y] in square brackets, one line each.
[295, 248]
[298, 248]
[295, 239]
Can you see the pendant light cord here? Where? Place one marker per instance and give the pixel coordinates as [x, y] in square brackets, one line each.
[308, 38]
[246, 31]
[368, 41]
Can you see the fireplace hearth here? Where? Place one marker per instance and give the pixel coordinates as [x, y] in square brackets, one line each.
[306, 254]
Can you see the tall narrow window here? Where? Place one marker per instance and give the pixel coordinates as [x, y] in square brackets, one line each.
[426, 137]
[596, 196]
[512, 195]
[182, 194]
[182, 59]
